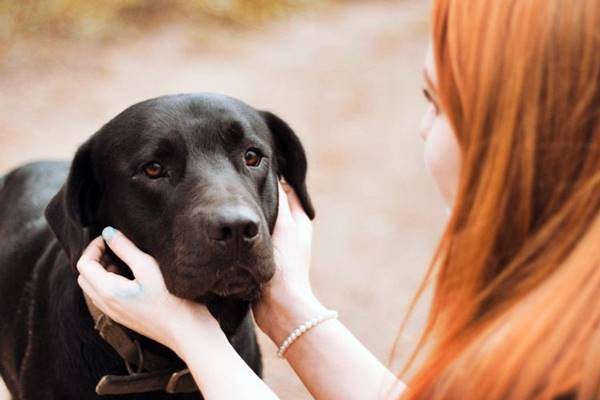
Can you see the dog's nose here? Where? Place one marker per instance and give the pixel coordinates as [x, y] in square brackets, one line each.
[234, 226]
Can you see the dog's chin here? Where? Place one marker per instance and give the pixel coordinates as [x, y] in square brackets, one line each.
[248, 291]
[241, 292]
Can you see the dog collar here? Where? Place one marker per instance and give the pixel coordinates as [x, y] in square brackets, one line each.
[147, 371]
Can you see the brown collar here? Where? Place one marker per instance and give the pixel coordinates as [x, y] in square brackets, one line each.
[147, 371]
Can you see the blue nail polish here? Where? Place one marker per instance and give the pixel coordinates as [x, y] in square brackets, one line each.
[108, 233]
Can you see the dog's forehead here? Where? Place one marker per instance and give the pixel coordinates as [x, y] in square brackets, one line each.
[193, 117]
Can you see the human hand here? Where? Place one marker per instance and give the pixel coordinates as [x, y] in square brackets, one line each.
[143, 304]
[292, 243]
[287, 299]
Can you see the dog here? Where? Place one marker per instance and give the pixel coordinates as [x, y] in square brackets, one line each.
[192, 180]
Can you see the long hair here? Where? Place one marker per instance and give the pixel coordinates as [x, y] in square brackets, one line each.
[516, 304]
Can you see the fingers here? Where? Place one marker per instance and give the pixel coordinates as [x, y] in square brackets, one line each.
[89, 264]
[88, 288]
[96, 281]
[284, 213]
[107, 304]
[136, 259]
[91, 292]
[102, 277]
[295, 208]
[94, 251]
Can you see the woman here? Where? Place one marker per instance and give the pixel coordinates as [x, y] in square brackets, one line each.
[513, 142]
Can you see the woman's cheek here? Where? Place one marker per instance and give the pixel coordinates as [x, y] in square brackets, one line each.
[442, 157]
[427, 122]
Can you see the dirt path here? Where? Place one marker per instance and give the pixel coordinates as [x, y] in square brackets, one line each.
[347, 79]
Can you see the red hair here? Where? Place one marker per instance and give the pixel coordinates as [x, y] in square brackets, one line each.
[516, 307]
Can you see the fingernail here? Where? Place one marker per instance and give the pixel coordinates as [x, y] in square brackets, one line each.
[108, 233]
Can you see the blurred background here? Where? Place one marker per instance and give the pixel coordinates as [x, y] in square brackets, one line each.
[345, 74]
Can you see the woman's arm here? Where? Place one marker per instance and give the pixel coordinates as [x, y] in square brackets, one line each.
[329, 360]
[217, 368]
[188, 328]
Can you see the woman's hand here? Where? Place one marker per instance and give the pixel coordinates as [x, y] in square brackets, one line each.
[288, 300]
[146, 306]
[292, 242]
[143, 304]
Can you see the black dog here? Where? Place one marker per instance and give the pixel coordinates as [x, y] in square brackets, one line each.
[192, 180]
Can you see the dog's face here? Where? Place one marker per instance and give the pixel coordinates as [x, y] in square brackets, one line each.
[192, 180]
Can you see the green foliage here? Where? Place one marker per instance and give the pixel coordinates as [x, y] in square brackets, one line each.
[101, 18]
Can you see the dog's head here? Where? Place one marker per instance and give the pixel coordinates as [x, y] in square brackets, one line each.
[191, 180]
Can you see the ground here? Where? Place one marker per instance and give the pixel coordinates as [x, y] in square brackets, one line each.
[347, 78]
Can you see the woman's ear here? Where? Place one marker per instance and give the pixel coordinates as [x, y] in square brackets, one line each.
[75, 206]
[290, 157]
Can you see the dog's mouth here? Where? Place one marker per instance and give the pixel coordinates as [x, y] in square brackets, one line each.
[239, 284]
[239, 279]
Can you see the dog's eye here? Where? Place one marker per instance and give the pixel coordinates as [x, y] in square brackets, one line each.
[252, 158]
[153, 170]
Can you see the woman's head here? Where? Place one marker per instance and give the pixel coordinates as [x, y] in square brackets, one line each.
[519, 83]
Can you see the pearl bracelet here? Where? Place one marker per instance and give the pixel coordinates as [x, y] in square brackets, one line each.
[296, 333]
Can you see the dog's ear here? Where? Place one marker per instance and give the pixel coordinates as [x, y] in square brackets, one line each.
[74, 207]
[291, 158]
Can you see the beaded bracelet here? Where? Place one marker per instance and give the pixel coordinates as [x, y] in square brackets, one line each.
[296, 333]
